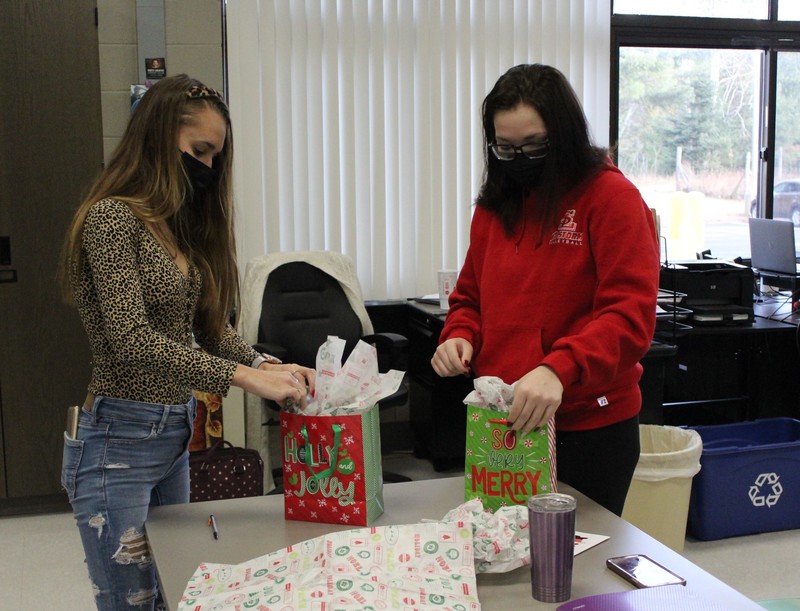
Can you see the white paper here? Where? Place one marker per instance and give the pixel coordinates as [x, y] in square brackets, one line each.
[491, 393]
[502, 540]
[353, 386]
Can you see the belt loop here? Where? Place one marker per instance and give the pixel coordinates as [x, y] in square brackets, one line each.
[191, 412]
[95, 408]
[164, 417]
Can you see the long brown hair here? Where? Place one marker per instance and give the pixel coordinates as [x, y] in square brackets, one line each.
[146, 172]
[571, 157]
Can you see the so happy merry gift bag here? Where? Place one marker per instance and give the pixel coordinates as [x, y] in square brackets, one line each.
[332, 467]
[503, 467]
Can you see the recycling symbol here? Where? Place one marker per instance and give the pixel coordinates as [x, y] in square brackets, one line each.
[766, 490]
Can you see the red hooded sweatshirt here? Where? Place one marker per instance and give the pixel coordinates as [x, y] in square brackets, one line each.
[580, 299]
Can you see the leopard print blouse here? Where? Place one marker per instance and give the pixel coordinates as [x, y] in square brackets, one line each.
[138, 310]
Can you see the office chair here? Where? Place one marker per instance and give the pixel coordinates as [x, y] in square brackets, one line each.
[291, 303]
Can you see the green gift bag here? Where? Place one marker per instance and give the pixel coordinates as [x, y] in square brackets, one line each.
[504, 467]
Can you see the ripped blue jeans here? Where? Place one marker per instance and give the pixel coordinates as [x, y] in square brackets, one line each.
[128, 456]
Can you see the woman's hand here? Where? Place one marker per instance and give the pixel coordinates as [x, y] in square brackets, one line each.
[307, 377]
[452, 357]
[279, 383]
[537, 396]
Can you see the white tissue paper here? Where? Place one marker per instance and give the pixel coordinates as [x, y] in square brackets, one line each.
[500, 540]
[491, 393]
[353, 386]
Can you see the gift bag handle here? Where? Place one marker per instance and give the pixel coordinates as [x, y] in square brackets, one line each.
[337, 429]
[238, 464]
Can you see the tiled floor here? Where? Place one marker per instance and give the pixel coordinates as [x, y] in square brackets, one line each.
[41, 560]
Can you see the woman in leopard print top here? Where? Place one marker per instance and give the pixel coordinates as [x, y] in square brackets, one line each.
[150, 263]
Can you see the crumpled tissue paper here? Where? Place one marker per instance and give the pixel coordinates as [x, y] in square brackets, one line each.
[351, 387]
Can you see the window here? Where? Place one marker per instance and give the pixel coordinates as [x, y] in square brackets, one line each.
[743, 9]
[693, 99]
[688, 139]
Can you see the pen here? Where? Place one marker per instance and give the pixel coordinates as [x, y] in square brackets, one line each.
[498, 420]
[212, 522]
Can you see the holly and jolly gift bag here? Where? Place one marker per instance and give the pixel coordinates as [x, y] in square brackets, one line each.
[332, 467]
[331, 451]
[503, 467]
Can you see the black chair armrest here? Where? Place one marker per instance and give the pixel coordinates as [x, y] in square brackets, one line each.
[274, 349]
[392, 350]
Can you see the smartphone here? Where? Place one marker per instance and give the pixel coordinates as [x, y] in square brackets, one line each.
[643, 572]
[73, 414]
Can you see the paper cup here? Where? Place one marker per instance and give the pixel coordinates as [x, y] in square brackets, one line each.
[447, 282]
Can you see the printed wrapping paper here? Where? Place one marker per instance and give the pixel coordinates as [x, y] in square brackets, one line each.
[332, 467]
[415, 566]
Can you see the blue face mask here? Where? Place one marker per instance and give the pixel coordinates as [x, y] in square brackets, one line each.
[523, 171]
[200, 175]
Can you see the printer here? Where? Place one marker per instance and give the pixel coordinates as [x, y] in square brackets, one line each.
[717, 292]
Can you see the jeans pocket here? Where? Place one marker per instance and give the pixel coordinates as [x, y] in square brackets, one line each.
[70, 462]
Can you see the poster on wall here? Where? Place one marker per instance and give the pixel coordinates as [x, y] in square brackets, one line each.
[137, 91]
[155, 67]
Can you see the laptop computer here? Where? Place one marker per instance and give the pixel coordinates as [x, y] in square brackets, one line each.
[772, 246]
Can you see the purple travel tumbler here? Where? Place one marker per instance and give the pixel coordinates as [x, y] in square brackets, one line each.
[552, 535]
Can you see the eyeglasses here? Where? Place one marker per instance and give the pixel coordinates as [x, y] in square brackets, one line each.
[532, 150]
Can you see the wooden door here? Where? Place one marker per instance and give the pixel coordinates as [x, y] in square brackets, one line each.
[50, 150]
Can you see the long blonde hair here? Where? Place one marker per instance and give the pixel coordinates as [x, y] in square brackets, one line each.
[146, 172]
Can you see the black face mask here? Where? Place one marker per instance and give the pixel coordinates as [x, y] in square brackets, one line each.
[200, 175]
[523, 171]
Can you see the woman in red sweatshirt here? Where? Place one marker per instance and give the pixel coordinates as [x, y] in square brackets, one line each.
[558, 289]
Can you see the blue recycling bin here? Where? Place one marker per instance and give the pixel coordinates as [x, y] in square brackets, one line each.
[749, 481]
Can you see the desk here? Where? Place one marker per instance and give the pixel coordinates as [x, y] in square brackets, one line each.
[180, 539]
[775, 280]
[777, 308]
[437, 411]
[732, 373]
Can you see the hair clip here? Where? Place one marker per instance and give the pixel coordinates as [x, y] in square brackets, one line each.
[202, 91]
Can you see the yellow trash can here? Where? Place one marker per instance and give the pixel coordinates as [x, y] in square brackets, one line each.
[658, 499]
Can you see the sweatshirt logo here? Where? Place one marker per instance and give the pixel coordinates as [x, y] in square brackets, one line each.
[567, 232]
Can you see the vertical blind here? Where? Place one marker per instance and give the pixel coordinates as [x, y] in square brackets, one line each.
[357, 122]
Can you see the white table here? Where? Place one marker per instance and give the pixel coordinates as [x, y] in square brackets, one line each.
[180, 540]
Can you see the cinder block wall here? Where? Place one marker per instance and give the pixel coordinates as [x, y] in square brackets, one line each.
[194, 46]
